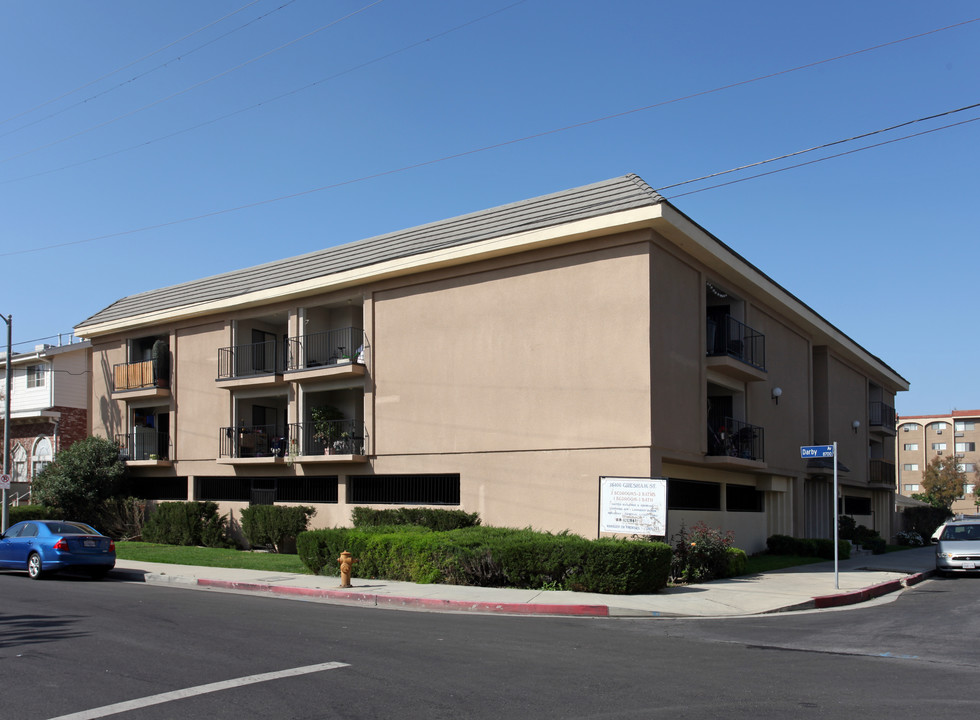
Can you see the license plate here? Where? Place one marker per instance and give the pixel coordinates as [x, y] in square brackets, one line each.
[89, 543]
[969, 566]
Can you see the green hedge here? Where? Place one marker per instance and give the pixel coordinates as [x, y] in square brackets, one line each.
[275, 525]
[808, 547]
[20, 513]
[431, 518]
[187, 523]
[492, 557]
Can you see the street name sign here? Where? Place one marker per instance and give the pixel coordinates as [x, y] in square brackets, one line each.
[816, 451]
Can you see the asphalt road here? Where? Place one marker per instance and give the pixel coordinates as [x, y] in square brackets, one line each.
[73, 648]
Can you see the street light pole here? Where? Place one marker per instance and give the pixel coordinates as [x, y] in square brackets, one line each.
[5, 513]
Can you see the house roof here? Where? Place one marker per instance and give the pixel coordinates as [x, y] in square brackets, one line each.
[623, 193]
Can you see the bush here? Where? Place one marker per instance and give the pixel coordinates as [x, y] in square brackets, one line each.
[123, 518]
[81, 478]
[276, 525]
[431, 518]
[876, 545]
[34, 512]
[737, 560]
[701, 554]
[187, 523]
[492, 557]
[808, 547]
[924, 520]
[909, 538]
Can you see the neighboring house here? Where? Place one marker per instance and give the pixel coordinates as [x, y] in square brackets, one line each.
[48, 408]
[503, 362]
[923, 437]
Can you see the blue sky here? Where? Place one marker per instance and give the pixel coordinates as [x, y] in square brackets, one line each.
[101, 185]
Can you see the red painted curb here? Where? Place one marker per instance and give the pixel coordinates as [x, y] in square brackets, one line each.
[856, 596]
[425, 603]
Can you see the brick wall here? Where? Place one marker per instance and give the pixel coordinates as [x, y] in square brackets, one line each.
[72, 428]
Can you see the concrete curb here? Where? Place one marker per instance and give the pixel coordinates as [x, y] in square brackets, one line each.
[869, 593]
[394, 601]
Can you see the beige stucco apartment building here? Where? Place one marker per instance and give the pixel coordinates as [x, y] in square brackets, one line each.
[502, 362]
[924, 437]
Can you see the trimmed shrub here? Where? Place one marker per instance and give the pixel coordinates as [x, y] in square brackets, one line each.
[187, 523]
[808, 547]
[275, 525]
[123, 518]
[431, 518]
[737, 560]
[782, 545]
[492, 557]
[34, 512]
[876, 545]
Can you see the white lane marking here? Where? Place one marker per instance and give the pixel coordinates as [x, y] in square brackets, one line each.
[199, 690]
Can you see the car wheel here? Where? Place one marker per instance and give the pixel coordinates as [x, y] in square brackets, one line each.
[34, 566]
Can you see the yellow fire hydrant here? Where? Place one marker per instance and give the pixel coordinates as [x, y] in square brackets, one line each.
[346, 562]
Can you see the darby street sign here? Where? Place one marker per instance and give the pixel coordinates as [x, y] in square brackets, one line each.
[816, 451]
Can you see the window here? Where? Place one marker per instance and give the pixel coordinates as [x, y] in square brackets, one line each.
[911, 488]
[857, 505]
[940, 426]
[910, 446]
[744, 498]
[967, 467]
[966, 447]
[404, 489]
[693, 495]
[939, 446]
[35, 376]
[962, 425]
[911, 467]
[968, 489]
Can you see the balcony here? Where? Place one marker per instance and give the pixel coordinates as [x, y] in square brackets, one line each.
[335, 441]
[881, 472]
[253, 365]
[735, 349]
[881, 418]
[136, 380]
[144, 446]
[328, 354]
[252, 444]
[736, 444]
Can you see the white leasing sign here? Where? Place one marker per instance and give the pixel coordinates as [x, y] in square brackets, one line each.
[637, 506]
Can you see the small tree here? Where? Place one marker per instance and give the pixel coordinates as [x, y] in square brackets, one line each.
[943, 481]
[81, 478]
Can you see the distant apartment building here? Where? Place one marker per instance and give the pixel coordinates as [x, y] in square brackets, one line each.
[502, 362]
[924, 437]
[50, 391]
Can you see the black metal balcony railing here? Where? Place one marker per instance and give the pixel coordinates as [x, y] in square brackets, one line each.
[261, 358]
[881, 415]
[252, 441]
[737, 439]
[882, 472]
[329, 347]
[737, 340]
[337, 437]
[144, 444]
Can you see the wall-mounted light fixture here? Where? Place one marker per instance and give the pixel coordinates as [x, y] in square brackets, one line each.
[776, 392]
[855, 425]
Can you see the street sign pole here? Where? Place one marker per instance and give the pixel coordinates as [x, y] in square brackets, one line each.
[836, 523]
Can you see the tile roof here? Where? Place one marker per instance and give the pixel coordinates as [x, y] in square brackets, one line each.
[623, 193]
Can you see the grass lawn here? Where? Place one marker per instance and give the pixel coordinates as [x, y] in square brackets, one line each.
[210, 557]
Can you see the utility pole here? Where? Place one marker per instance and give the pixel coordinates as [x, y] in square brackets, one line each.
[5, 516]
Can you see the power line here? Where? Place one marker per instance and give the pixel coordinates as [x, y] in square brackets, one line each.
[455, 156]
[194, 86]
[829, 157]
[819, 147]
[164, 64]
[128, 65]
[267, 101]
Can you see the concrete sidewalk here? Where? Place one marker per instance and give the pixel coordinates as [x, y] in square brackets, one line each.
[809, 586]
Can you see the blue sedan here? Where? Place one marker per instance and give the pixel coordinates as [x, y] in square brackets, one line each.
[43, 546]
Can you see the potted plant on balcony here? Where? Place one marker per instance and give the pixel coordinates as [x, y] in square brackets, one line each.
[160, 355]
[326, 426]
